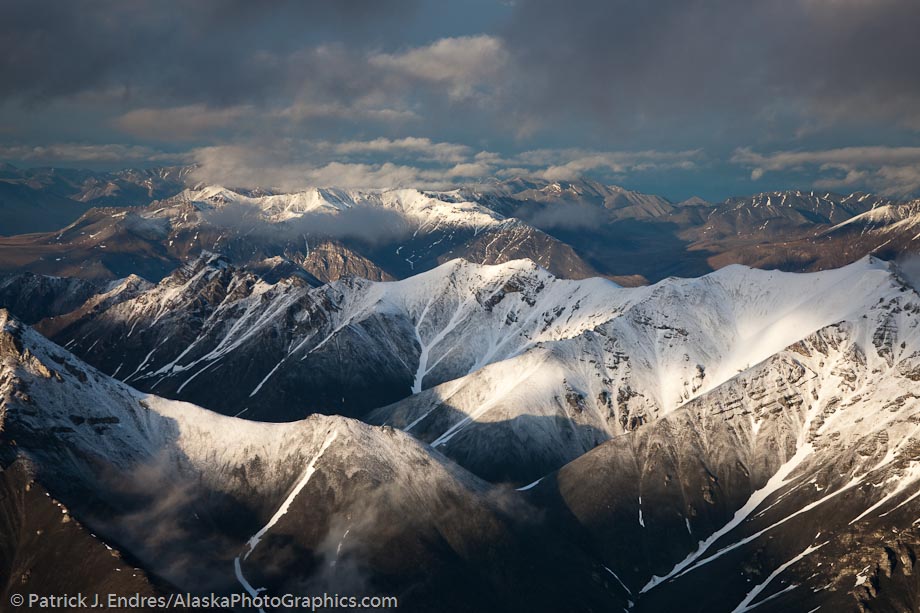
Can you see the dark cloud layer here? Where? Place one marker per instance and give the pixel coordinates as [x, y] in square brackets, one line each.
[222, 51]
[267, 89]
[762, 67]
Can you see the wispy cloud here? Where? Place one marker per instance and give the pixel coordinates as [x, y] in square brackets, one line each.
[468, 66]
[573, 163]
[182, 123]
[893, 171]
[421, 147]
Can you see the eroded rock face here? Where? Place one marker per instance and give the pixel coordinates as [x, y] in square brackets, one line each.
[330, 261]
[792, 474]
[644, 354]
[35, 297]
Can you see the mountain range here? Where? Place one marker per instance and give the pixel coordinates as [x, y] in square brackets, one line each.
[727, 430]
[573, 229]
[546, 396]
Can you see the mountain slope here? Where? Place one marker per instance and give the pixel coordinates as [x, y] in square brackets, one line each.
[390, 234]
[645, 353]
[800, 474]
[34, 297]
[45, 199]
[25, 210]
[345, 347]
[506, 369]
[539, 201]
[575, 229]
[619, 232]
[129, 187]
[40, 539]
[211, 502]
[786, 211]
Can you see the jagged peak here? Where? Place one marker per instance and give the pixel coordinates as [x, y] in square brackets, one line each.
[790, 196]
[8, 321]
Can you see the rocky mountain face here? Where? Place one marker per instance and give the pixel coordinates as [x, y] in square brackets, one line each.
[797, 479]
[41, 540]
[25, 210]
[36, 297]
[533, 436]
[130, 187]
[619, 232]
[791, 210]
[640, 355]
[330, 261]
[283, 350]
[539, 201]
[805, 231]
[214, 503]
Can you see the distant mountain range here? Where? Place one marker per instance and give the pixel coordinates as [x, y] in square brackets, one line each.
[573, 229]
[43, 199]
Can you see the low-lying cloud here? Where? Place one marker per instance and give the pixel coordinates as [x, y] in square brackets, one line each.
[563, 215]
[369, 224]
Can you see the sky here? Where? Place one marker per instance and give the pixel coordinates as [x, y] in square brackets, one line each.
[675, 97]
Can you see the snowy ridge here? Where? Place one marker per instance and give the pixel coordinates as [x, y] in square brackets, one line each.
[622, 358]
[624, 202]
[748, 416]
[475, 344]
[186, 464]
[205, 441]
[879, 218]
[426, 210]
[824, 434]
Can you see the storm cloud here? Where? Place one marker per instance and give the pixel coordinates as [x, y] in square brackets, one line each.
[378, 93]
[171, 51]
[789, 64]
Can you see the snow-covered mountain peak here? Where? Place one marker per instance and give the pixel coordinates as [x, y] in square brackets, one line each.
[610, 359]
[209, 502]
[485, 343]
[273, 206]
[888, 217]
[540, 192]
[426, 209]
